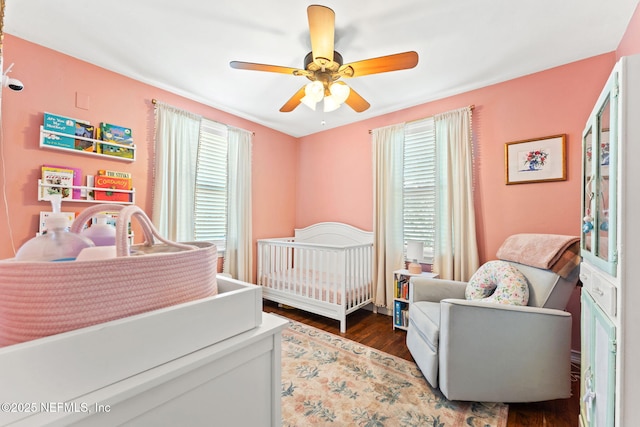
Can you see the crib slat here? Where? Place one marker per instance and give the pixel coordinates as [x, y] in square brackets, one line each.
[315, 264]
[317, 275]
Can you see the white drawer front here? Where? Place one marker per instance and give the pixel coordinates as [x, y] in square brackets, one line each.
[585, 275]
[602, 290]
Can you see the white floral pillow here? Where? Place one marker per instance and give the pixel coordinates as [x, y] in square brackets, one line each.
[498, 282]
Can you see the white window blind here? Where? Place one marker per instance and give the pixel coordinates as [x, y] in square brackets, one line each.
[419, 184]
[211, 184]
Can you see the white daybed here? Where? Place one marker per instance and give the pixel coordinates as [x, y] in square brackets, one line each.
[201, 363]
[325, 268]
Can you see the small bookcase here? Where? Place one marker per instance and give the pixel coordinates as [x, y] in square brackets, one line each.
[402, 296]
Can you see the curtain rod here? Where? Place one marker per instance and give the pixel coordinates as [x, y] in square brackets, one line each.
[155, 101]
[471, 107]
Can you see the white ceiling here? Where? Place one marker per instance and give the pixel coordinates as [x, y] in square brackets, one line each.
[185, 46]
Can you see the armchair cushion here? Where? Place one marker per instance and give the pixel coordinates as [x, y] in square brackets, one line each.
[435, 290]
[498, 282]
[503, 353]
[423, 337]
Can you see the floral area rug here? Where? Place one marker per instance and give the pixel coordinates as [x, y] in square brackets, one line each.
[328, 380]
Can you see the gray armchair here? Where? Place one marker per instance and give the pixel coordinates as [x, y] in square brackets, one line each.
[479, 351]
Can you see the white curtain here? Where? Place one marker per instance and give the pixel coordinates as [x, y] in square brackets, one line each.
[456, 249]
[176, 145]
[238, 251]
[388, 243]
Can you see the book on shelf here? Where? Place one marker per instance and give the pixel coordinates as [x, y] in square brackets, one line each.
[401, 287]
[85, 130]
[109, 180]
[405, 317]
[67, 126]
[60, 124]
[56, 180]
[397, 313]
[116, 174]
[115, 150]
[115, 134]
[77, 179]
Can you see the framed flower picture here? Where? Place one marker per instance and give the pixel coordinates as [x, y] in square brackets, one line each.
[535, 160]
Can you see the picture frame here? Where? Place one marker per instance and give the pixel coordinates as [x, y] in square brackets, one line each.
[536, 160]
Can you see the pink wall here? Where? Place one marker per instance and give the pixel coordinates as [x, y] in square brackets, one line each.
[335, 178]
[547, 103]
[335, 181]
[53, 80]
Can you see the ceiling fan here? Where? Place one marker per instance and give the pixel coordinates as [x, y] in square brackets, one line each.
[324, 67]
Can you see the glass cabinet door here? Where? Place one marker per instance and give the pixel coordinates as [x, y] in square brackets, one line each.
[599, 181]
[588, 192]
[603, 183]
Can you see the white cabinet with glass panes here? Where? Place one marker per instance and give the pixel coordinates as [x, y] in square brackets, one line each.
[610, 249]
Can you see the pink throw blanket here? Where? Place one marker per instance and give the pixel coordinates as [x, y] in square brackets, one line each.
[556, 252]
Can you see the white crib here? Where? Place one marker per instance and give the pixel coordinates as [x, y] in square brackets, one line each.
[325, 268]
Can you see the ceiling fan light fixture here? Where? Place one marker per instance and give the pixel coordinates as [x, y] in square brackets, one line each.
[340, 91]
[331, 103]
[309, 102]
[314, 90]
[313, 93]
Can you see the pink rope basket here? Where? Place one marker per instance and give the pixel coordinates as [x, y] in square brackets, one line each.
[39, 299]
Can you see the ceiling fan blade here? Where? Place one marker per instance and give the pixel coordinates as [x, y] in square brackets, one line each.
[293, 102]
[382, 64]
[239, 65]
[322, 32]
[355, 101]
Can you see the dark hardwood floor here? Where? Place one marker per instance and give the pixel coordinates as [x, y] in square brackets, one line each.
[375, 330]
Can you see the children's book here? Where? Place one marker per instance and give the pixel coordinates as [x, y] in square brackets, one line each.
[116, 174]
[113, 183]
[68, 126]
[397, 315]
[85, 130]
[77, 179]
[56, 180]
[115, 150]
[114, 133]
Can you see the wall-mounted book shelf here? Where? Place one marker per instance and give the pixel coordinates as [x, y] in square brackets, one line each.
[85, 190]
[46, 133]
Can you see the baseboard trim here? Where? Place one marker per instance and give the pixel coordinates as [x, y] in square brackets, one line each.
[378, 310]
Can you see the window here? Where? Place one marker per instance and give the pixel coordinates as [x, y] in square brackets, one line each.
[419, 184]
[210, 211]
